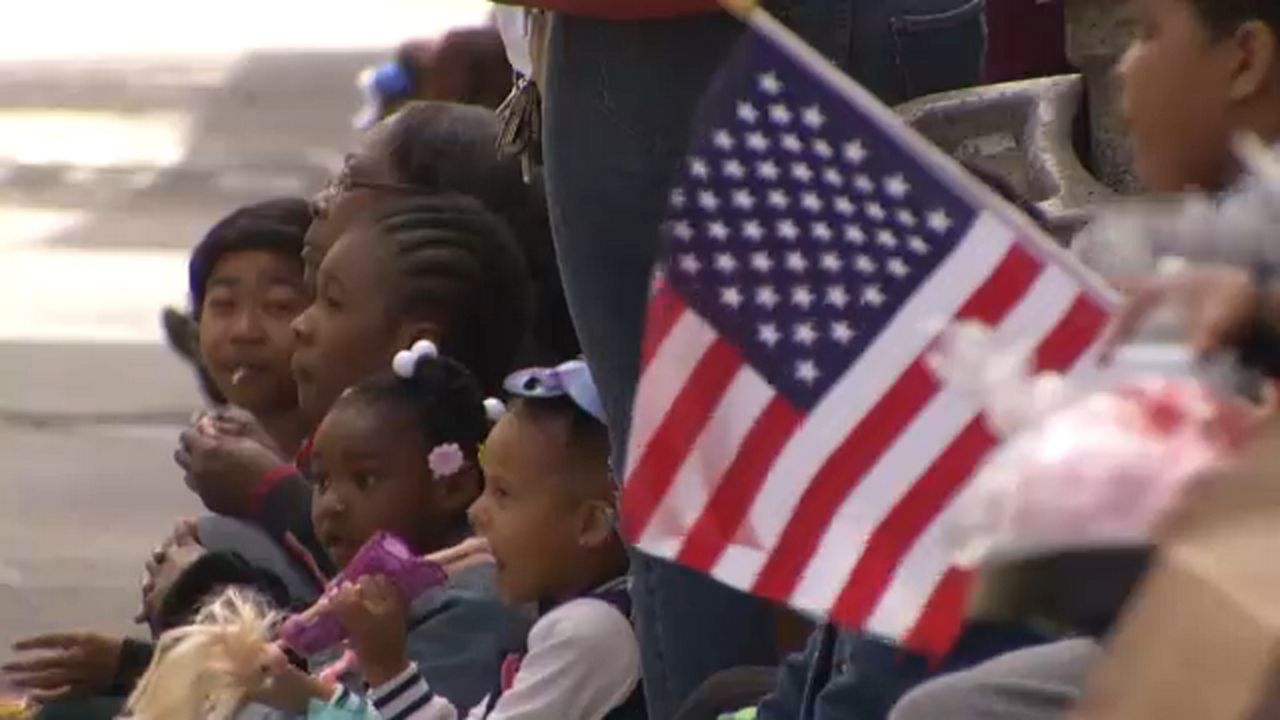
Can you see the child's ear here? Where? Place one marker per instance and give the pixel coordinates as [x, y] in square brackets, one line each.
[599, 523]
[411, 331]
[1256, 51]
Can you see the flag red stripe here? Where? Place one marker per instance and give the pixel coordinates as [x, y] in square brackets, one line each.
[1074, 332]
[736, 490]
[665, 310]
[653, 475]
[908, 519]
[940, 623]
[862, 448]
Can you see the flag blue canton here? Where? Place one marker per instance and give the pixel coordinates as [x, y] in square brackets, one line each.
[798, 226]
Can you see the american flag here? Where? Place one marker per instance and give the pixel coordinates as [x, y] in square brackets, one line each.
[787, 437]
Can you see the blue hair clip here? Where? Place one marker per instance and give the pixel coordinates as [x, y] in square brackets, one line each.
[381, 85]
[571, 379]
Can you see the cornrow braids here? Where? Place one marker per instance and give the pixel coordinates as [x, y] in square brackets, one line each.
[1223, 17]
[452, 148]
[442, 397]
[458, 266]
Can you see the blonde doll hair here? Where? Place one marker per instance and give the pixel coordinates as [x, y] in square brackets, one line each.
[210, 668]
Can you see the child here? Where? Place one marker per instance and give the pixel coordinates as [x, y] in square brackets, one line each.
[399, 453]
[1199, 73]
[548, 515]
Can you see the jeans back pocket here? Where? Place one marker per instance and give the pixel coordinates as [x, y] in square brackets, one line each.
[941, 50]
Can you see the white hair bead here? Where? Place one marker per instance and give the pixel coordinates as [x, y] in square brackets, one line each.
[494, 409]
[403, 364]
[424, 348]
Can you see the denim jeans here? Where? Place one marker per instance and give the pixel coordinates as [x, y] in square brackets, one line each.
[619, 98]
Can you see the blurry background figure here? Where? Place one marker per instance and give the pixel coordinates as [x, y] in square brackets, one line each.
[1025, 39]
[467, 65]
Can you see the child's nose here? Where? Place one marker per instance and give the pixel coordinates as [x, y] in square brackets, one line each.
[301, 326]
[476, 514]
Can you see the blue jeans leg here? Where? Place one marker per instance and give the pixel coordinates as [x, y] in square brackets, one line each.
[619, 102]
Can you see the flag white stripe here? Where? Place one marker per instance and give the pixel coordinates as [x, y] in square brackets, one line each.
[928, 560]
[742, 403]
[857, 392]
[920, 444]
[666, 375]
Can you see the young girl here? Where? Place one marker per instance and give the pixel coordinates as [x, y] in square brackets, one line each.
[548, 515]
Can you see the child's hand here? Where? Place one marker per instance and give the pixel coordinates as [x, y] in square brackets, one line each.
[286, 687]
[70, 664]
[376, 621]
[224, 470]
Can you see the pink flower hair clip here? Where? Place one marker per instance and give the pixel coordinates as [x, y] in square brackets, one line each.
[446, 460]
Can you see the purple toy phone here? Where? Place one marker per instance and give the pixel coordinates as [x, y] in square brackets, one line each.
[316, 630]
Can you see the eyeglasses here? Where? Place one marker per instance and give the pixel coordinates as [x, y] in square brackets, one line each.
[344, 182]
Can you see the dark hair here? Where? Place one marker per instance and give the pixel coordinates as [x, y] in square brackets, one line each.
[275, 225]
[442, 397]
[584, 429]
[452, 148]
[1223, 17]
[457, 265]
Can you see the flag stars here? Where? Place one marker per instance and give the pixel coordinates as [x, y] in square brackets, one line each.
[757, 142]
[748, 113]
[802, 297]
[767, 297]
[678, 198]
[821, 232]
[865, 264]
[822, 148]
[767, 333]
[780, 114]
[917, 245]
[682, 230]
[813, 118]
[830, 262]
[837, 296]
[787, 229]
[842, 332]
[768, 170]
[723, 139]
[938, 221]
[854, 234]
[802, 172]
[753, 230]
[733, 169]
[796, 263]
[807, 372]
[832, 177]
[769, 83]
[778, 199]
[699, 168]
[761, 262]
[844, 206]
[743, 199]
[731, 296]
[896, 187]
[875, 211]
[803, 333]
[811, 202]
[855, 153]
[864, 184]
[708, 201]
[689, 264]
[792, 143]
[717, 230]
[905, 218]
[873, 296]
[897, 267]
[886, 239]
[725, 263]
